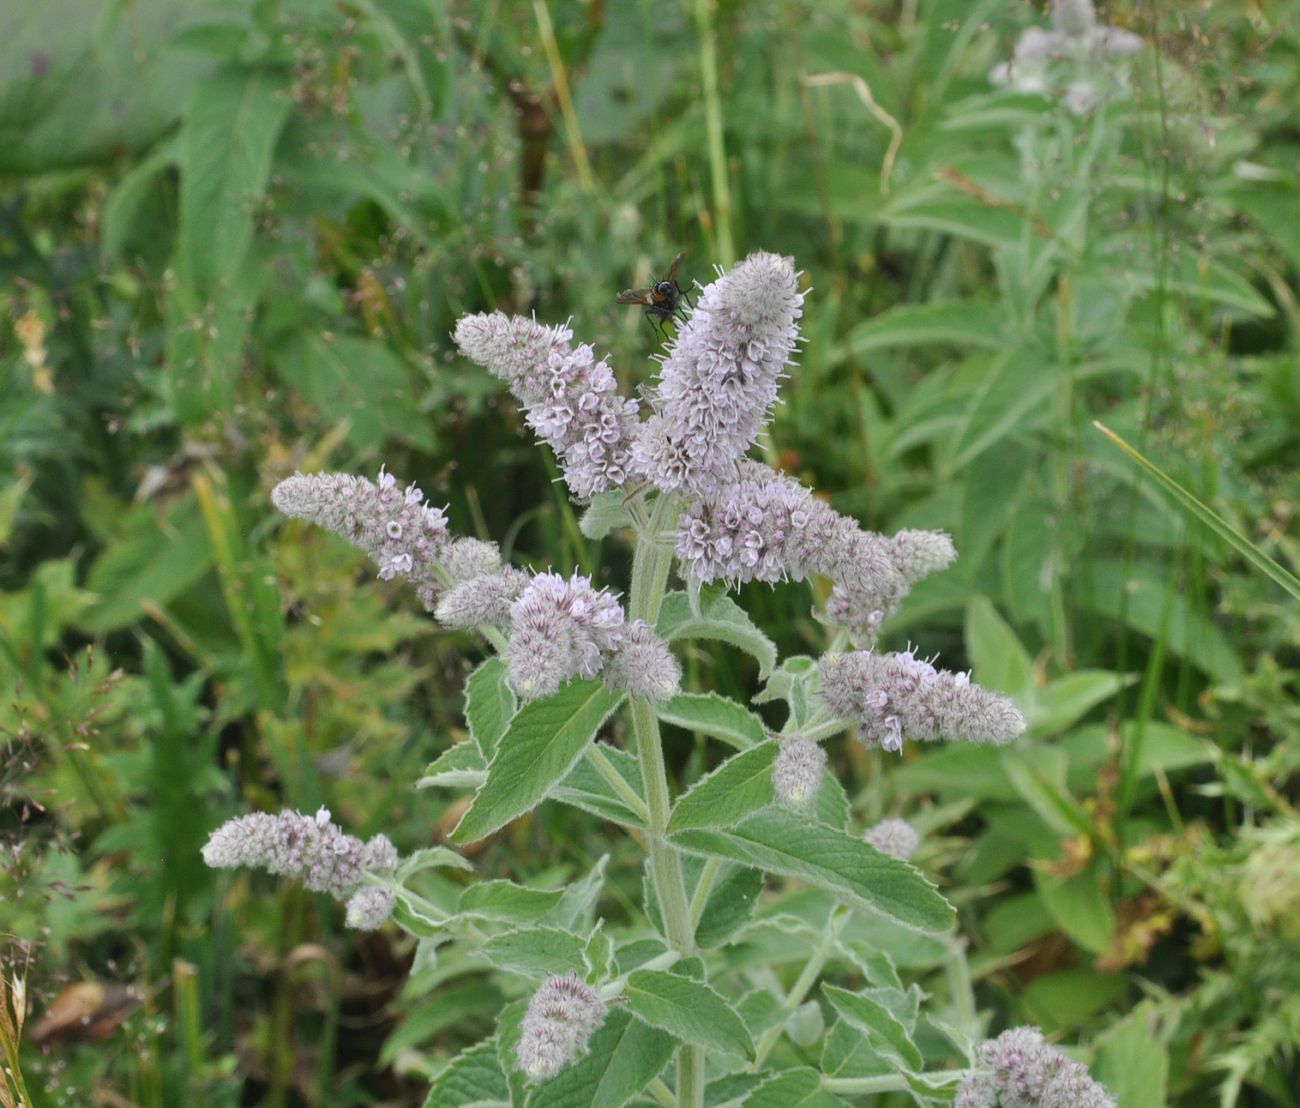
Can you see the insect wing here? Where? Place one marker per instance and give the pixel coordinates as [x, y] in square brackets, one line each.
[674, 266]
[634, 296]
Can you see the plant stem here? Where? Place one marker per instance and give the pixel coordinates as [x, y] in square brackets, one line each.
[811, 970]
[650, 565]
[601, 764]
[885, 1083]
[706, 31]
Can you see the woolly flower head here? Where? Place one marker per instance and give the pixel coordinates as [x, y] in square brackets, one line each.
[370, 907]
[720, 377]
[405, 535]
[644, 665]
[797, 772]
[571, 399]
[1078, 60]
[1020, 1070]
[560, 629]
[918, 554]
[893, 697]
[309, 849]
[482, 601]
[895, 837]
[561, 1019]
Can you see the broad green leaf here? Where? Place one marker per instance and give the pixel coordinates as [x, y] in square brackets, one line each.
[954, 214]
[737, 788]
[796, 1088]
[587, 789]
[577, 905]
[1062, 1001]
[470, 1079]
[489, 704]
[730, 906]
[607, 512]
[964, 323]
[509, 1031]
[231, 124]
[720, 618]
[715, 716]
[624, 1056]
[459, 767]
[688, 1010]
[544, 741]
[847, 1052]
[873, 1018]
[504, 900]
[876, 966]
[997, 657]
[463, 1003]
[599, 955]
[1205, 279]
[536, 952]
[1067, 699]
[792, 681]
[1132, 1062]
[120, 210]
[431, 857]
[1206, 515]
[1013, 392]
[785, 843]
[1080, 907]
[1039, 779]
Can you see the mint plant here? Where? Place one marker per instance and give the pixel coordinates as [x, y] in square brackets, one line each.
[762, 848]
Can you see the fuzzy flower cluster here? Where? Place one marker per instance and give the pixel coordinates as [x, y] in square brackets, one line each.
[894, 697]
[720, 378]
[1024, 1071]
[895, 837]
[561, 1019]
[314, 851]
[1078, 59]
[797, 772]
[765, 526]
[644, 665]
[571, 399]
[561, 629]
[404, 534]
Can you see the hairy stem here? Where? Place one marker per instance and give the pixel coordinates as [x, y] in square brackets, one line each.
[811, 971]
[650, 566]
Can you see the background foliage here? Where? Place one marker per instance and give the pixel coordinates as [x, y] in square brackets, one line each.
[234, 237]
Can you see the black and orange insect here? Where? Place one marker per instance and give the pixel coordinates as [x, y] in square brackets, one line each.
[662, 300]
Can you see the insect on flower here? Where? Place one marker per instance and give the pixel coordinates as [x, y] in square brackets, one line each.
[662, 300]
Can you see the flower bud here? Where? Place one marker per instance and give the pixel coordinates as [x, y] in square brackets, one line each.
[895, 837]
[561, 1019]
[797, 772]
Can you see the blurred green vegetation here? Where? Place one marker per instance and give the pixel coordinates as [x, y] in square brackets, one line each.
[234, 238]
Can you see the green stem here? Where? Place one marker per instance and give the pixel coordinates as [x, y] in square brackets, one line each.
[885, 1083]
[811, 971]
[705, 29]
[601, 764]
[650, 565]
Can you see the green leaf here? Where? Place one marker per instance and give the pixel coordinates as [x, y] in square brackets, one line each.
[504, 900]
[1064, 1000]
[730, 906]
[720, 618]
[128, 196]
[792, 681]
[489, 704]
[544, 741]
[688, 1010]
[431, 857]
[607, 512]
[623, 1058]
[1012, 392]
[599, 954]
[796, 1088]
[873, 1018]
[938, 209]
[585, 788]
[1209, 518]
[964, 323]
[232, 122]
[1132, 1062]
[1039, 778]
[716, 716]
[999, 661]
[472, 1078]
[738, 787]
[1067, 699]
[460, 767]
[536, 952]
[578, 903]
[1205, 279]
[1080, 908]
[783, 842]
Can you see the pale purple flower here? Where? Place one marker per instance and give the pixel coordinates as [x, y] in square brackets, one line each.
[1019, 1069]
[797, 772]
[765, 526]
[571, 399]
[719, 380]
[309, 849]
[561, 1019]
[643, 665]
[466, 558]
[1077, 59]
[405, 535]
[894, 697]
[482, 601]
[895, 837]
[560, 629]
[370, 907]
